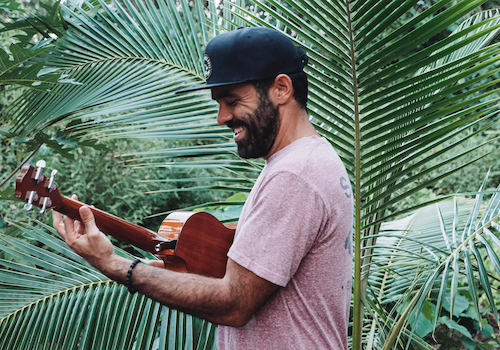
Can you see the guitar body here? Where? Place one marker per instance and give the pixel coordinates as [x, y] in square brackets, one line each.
[194, 242]
[202, 243]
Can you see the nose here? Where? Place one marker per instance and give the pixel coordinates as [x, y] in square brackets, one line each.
[224, 115]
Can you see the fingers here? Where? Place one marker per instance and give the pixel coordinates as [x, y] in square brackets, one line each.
[57, 222]
[88, 219]
[60, 224]
[69, 228]
[79, 228]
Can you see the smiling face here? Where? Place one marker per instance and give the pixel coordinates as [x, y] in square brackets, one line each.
[254, 118]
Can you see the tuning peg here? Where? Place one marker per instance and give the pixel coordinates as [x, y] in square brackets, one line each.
[46, 203]
[28, 206]
[52, 178]
[40, 164]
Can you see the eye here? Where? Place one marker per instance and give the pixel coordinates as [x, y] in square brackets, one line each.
[232, 103]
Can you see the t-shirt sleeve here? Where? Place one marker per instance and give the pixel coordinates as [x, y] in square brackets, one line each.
[281, 227]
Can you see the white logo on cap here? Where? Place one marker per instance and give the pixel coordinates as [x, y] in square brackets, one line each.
[208, 67]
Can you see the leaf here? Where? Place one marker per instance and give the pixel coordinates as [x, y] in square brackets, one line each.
[67, 304]
[485, 329]
[9, 6]
[237, 197]
[468, 343]
[422, 325]
[18, 70]
[8, 194]
[461, 304]
[428, 311]
[455, 326]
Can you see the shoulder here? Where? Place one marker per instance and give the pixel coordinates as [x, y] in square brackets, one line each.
[312, 163]
[311, 159]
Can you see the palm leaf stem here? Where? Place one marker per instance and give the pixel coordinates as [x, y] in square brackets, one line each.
[358, 306]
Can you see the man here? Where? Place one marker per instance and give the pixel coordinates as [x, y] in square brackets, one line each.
[288, 276]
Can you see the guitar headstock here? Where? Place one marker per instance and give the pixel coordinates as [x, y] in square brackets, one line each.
[37, 189]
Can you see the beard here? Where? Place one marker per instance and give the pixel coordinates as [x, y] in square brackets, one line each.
[261, 129]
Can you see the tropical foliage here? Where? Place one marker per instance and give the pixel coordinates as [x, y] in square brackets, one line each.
[55, 300]
[395, 105]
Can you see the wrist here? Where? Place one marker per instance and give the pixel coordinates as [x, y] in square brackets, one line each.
[115, 267]
[128, 280]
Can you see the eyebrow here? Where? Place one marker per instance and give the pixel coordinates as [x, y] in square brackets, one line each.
[223, 94]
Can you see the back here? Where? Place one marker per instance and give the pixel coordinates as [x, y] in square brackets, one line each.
[295, 231]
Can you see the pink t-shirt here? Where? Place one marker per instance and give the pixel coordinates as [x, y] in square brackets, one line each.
[295, 231]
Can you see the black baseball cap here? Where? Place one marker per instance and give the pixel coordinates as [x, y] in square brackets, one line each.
[248, 54]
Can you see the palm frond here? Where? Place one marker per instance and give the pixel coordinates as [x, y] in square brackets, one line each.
[129, 57]
[384, 98]
[51, 298]
[425, 252]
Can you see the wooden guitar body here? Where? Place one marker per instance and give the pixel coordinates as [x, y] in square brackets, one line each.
[194, 242]
[202, 243]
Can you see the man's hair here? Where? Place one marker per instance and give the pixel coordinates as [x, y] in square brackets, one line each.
[299, 83]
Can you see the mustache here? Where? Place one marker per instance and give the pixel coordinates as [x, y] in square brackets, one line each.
[235, 123]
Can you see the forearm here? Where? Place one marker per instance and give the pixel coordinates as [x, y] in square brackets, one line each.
[208, 298]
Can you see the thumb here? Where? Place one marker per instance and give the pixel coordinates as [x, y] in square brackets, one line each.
[87, 218]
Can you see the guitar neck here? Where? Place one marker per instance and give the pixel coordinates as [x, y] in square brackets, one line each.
[120, 229]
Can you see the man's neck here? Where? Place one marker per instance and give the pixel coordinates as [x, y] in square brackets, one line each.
[295, 125]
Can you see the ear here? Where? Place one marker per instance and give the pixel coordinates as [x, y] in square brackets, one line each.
[281, 92]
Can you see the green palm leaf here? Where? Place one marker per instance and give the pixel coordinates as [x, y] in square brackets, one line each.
[383, 97]
[127, 59]
[413, 252]
[21, 70]
[52, 299]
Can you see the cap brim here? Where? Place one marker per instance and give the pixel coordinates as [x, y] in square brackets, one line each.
[208, 86]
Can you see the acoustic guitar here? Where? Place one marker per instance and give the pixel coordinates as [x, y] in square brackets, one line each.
[194, 242]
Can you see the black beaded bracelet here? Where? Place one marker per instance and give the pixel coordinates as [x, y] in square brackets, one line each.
[128, 281]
